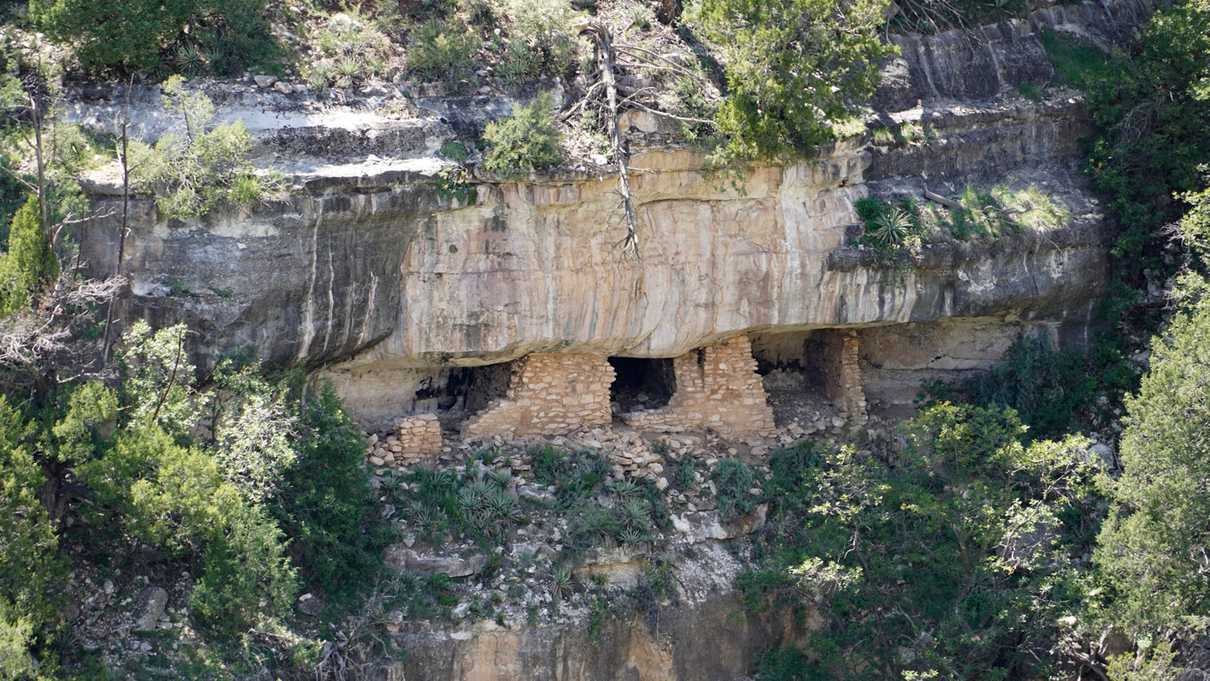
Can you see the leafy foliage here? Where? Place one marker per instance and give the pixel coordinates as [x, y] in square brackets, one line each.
[1048, 388]
[903, 225]
[326, 505]
[1150, 111]
[206, 168]
[1077, 61]
[349, 50]
[524, 142]
[734, 480]
[29, 264]
[1151, 549]
[793, 67]
[254, 434]
[140, 35]
[242, 503]
[541, 40]
[954, 557]
[31, 570]
[443, 51]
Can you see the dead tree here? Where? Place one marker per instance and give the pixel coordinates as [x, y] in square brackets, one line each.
[124, 159]
[609, 97]
[606, 63]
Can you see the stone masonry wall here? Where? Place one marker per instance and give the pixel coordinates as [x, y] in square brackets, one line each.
[842, 373]
[717, 387]
[548, 394]
[416, 439]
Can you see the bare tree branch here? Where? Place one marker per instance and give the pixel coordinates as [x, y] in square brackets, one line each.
[606, 62]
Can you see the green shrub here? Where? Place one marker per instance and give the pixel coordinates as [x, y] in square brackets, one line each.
[684, 474]
[525, 142]
[903, 225]
[959, 532]
[1030, 208]
[733, 479]
[31, 570]
[326, 506]
[254, 433]
[246, 574]
[206, 168]
[576, 477]
[1031, 91]
[138, 35]
[541, 40]
[890, 228]
[1077, 61]
[29, 264]
[1048, 388]
[348, 50]
[787, 664]
[444, 51]
[1160, 500]
[793, 68]
[906, 134]
[157, 377]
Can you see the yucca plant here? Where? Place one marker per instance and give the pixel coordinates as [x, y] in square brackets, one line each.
[891, 229]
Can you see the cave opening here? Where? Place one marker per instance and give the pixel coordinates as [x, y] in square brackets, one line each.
[799, 371]
[456, 393]
[641, 383]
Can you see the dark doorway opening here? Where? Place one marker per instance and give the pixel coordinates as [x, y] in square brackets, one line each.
[473, 388]
[641, 383]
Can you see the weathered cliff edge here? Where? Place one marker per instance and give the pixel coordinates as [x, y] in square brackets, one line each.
[372, 271]
[708, 636]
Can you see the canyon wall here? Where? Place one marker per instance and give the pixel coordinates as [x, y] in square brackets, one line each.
[374, 272]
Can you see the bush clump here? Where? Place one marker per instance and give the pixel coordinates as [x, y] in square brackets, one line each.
[218, 36]
[541, 40]
[326, 505]
[444, 51]
[903, 225]
[1161, 501]
[525, 142]
[734, 480]
[793, 68]
[348, 50]
[204, 169]
[962, 531]
[28, 264]
[1047, 387]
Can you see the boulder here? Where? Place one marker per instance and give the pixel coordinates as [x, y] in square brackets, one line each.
[151, 604]
[400, 557]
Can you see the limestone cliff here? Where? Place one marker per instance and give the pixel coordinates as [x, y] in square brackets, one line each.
[508, 309]
[373, 272]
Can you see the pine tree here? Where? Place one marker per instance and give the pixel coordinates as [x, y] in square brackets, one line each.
[29, 263]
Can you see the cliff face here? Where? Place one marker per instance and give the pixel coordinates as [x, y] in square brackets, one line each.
[372, 270]
[376, 272]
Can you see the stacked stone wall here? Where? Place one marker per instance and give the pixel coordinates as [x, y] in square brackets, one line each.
[842, 373]
[717, 387]
[416, 439]
[420, 437]
[548, 394]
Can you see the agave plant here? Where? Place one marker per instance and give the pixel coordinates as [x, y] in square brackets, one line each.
[636, 514]
[625, 489]
[561, 582]
[632, 536]
[892, 228]
[192, 60]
